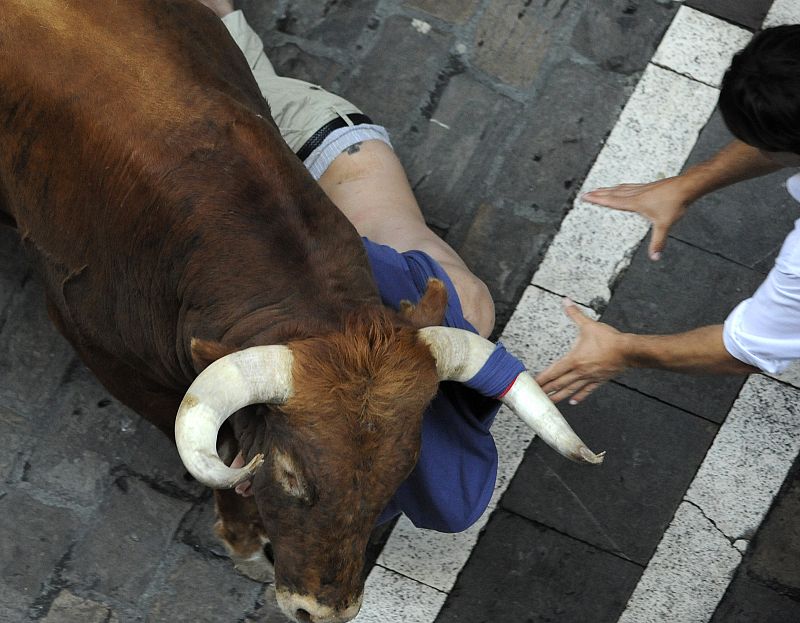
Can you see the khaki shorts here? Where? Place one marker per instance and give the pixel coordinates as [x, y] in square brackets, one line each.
[299, 108]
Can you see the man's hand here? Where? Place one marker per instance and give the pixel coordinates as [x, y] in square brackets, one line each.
[597, 355]
[663, 203]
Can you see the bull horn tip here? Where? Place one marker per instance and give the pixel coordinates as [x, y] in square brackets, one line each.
[587, 456]
[248, 470]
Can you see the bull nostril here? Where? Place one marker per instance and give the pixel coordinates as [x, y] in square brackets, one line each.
[303, 615]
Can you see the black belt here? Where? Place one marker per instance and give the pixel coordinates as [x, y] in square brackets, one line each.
[320, 135]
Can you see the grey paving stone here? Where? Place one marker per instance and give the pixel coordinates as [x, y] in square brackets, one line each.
[747, 601]
[121, 552]
[200, 588]
[458, 11]
[85, 420]
[394, 80]
[73, 476]
[624, 506]
[35, 540]
[33, 355]
[520, 571]
[514, 37]
[337, 24]
[446, 158]
[686, 289]
[69, 608]
[260, 14]
[621, 35]
[197, 530]
[749, 14]
[290, 60]
[542, 169]
[746, 222]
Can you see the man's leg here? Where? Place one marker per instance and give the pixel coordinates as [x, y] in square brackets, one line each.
[369, 185]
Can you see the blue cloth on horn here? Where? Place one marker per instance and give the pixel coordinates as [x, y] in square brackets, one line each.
[453, 480]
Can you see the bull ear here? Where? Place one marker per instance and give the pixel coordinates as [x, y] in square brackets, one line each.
[289, 475]
[206, 352]
[429, 311]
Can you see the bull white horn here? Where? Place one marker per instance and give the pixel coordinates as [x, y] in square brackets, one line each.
[261, 374]
[461, 354]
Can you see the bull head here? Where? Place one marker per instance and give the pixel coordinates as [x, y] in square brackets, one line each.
[322, 490]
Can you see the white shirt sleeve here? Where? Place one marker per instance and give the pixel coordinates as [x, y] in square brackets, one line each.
[764, 330]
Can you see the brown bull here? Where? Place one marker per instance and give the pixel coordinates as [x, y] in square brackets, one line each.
[174, 231]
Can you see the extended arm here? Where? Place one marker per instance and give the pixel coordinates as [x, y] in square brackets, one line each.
[664, 202]
[601, 352]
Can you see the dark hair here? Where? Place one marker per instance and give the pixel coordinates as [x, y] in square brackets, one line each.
[760, 95]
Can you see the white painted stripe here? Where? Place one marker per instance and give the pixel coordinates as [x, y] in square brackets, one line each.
[750, 457]
[391, 598]
[700, 46]
[687, 575]
[652, 139]
[783, 12]
[723, 507]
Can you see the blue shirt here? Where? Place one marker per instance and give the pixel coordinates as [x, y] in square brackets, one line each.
[454, 478]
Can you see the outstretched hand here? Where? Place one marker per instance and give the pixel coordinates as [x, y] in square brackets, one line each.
[597, 355]
[663, 203]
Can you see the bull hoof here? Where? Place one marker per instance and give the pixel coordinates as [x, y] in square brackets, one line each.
[256, 567]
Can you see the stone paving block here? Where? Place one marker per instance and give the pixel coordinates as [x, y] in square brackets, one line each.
[126, 545]
[750, 458]
[521, 571]
[688, 574]
[261, 15]
[621, 35]
[513, 37]
[393, 598]
[458, 11]
[700, 46]
[290, 60]
[337, 24]
[651, 140]
[395, 81]
[35, 539]
[445, 158]
[749, 14]
[86, 418]
[782, 12]
[197, 529]
[708, 287]
[747, 601]
[624, 505]
[545, 163]
[69, 608]
[33, 355]
[202, 588]
[722, 222]
[74, 477]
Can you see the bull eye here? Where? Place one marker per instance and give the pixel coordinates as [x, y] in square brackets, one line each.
[288, 475]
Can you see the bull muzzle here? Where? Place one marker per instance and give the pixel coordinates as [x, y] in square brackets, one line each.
[305, 609]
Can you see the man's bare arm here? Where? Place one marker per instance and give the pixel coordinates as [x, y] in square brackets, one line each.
[601, 352]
